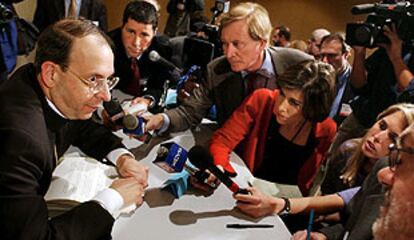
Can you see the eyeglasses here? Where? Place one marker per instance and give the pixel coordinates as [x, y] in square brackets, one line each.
[96, 84]
[394, 155]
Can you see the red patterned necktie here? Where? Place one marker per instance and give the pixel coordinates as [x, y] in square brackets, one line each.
[260, 79]
[134, 86]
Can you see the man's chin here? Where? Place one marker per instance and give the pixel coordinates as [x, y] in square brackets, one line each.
[236, 67]
[85, 116]
[134, 54]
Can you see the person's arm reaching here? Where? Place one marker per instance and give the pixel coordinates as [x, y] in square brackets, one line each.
[258, 204]
[358, 77]
[402, 73]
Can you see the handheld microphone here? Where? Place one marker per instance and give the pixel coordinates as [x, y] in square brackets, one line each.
[154, 56]
[173, 158]
[135, 125]
[114, 110]
[124, 115]
[202, 159]
[118, 111]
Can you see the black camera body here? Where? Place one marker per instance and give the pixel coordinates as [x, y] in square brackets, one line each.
[6, 14]
[212, 33]
[370, 33]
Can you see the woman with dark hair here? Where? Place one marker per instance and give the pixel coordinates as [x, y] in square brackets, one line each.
[282, 135]
[353, 162]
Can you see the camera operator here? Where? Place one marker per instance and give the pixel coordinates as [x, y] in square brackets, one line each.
[379, 80]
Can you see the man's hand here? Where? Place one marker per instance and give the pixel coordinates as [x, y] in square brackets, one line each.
[131, 191]
[394, 48]
[301, 235]
[258, 204]
[130, 167]
[154, 122]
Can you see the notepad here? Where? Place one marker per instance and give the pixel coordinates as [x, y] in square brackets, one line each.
[76, 180]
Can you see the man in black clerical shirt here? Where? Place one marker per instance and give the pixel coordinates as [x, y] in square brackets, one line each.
[46, 107]
[133, 41]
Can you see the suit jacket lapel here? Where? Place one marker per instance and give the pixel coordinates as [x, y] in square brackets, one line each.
[84, 8]
[60, 8]
[228, 99]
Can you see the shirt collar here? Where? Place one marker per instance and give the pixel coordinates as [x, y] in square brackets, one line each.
[54, 108]
[344, 75]
[267, 64]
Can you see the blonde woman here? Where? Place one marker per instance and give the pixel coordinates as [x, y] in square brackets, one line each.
[355, 158]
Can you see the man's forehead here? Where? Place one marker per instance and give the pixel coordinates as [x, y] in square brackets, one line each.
[332, 43]
[407, 138]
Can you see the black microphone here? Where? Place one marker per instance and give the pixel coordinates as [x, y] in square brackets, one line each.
[125, 115]
[202, 159]
[155, 57]
[114, 110]
[173, 158]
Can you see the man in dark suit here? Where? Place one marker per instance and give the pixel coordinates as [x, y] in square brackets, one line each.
[50, 11]
[47, 107]
[139, 76]
[335, 51]
[248, 64]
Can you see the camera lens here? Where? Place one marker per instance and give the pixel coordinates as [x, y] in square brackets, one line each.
[364, 34]
[5, 13]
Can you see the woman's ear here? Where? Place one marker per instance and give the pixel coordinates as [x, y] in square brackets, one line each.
[48, 74]
[263, 44]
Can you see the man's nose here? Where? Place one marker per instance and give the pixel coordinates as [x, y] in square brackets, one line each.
[229, 51]
[104, 93]
[137, 41]
[386, 176]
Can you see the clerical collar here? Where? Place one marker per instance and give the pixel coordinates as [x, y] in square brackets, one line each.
[54, 108]
[266, 65]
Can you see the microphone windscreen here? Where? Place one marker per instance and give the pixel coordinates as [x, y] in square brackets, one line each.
[200, 157]
[130, 122]
[113, 107]
[154, 56]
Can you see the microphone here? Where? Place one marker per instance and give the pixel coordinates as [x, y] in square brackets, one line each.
[154, 56]
[114, 110]
[133, 125]
[173, 158]
[124, 115]
[117, 111]
[202, 159]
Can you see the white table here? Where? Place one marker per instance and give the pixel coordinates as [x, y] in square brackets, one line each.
[192, 216]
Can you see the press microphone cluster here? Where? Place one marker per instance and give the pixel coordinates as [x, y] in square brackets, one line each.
[173, 158]
[125, 116]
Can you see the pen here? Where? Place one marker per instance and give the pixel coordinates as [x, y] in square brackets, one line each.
[308, 234]
[237, 225]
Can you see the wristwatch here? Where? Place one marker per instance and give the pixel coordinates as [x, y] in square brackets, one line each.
[286, 209]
